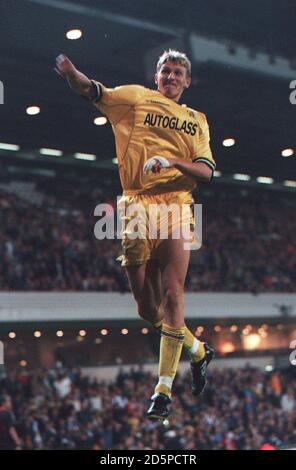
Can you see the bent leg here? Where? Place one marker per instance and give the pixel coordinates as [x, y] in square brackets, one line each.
[173, 264]
[145, 283]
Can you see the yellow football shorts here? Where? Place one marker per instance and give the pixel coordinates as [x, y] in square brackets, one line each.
[147, 220]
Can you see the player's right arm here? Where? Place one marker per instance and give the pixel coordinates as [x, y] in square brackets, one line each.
[79, 82]
[114, 103]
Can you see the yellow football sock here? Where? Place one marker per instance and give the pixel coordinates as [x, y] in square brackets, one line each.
[171, 344]
[193, 346]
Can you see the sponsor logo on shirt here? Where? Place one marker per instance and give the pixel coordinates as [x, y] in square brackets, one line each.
[158, 102]
[159, 120]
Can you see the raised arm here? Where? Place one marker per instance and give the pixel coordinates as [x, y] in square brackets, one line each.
[79, 82]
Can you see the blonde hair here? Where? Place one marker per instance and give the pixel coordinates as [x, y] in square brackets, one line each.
[175, 56]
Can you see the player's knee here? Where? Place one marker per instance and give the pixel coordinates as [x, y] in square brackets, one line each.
[148, 311]
[173, 297]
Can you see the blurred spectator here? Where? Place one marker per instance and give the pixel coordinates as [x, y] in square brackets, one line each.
[234, 413]
[288, 402]
[9, 438]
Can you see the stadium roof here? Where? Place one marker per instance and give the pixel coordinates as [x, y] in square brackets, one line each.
[228, 42]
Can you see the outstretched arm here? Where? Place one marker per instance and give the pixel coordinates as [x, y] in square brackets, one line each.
[79, 82]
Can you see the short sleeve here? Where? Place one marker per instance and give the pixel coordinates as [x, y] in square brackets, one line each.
[114, 103]
[204, 153]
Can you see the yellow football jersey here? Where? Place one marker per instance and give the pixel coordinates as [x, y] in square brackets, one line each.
[146, 123]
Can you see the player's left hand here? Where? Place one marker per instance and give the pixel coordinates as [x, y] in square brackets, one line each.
[156, 163]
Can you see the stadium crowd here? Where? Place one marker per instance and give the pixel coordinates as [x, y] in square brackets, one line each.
[248, 242]
[241, 409]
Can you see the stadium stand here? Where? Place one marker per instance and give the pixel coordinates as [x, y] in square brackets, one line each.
[49, 244]
[243, 409]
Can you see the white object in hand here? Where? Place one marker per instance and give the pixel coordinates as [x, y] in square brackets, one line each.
[153, 160]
